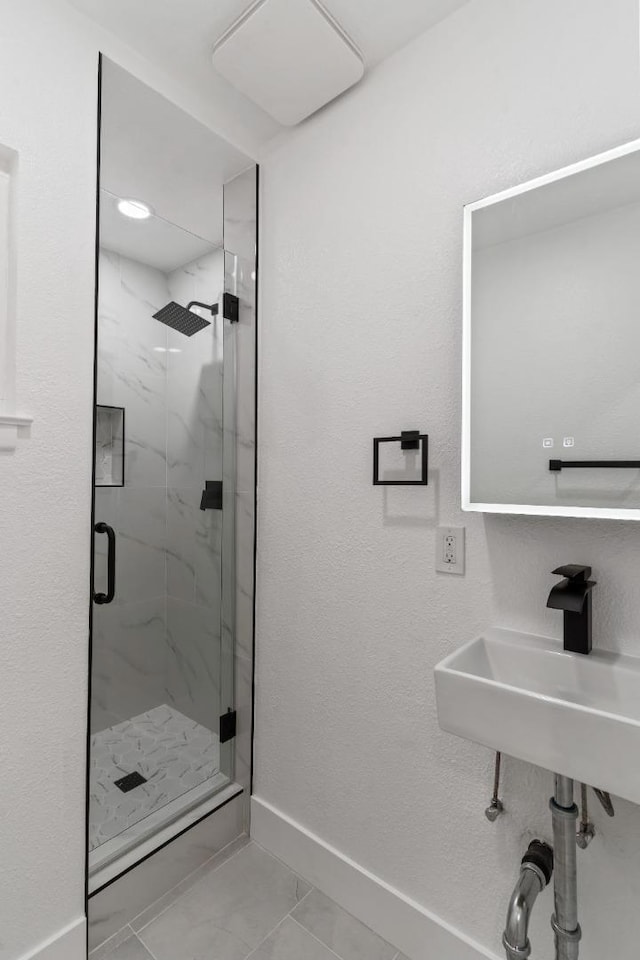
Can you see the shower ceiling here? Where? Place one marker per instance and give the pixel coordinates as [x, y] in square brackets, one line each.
[156, 242]
[171, 162]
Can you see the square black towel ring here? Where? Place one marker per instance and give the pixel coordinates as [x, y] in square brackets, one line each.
[408, 440]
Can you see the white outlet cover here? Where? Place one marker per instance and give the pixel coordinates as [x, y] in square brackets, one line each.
[291, 58]
[442, 565]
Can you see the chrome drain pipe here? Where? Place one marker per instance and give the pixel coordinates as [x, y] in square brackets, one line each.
[535, 874]
[564, 922]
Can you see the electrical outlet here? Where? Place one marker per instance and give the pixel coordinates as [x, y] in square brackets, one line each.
[450, 549]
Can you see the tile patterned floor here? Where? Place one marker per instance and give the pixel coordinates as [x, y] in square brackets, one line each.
[173, 752]
[246, 905]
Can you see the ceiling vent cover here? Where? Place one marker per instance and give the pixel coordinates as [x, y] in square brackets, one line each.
[288, 57]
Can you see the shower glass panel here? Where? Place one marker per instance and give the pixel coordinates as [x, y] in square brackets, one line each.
[162, 651]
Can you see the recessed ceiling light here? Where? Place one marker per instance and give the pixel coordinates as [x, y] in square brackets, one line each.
[135, 209]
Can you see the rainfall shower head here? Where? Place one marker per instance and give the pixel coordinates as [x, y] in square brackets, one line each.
[183, 319]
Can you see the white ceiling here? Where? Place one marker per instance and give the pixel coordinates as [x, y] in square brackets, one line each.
[179, 36]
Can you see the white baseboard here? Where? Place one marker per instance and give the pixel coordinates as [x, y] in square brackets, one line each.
[70, 943]
[397, 918]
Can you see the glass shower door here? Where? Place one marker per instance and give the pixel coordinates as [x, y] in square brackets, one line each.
[162, 650]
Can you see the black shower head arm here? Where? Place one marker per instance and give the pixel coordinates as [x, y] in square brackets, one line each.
[213, 307]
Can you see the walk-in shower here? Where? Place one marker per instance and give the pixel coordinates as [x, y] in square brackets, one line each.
[163, 700]
[162, 674]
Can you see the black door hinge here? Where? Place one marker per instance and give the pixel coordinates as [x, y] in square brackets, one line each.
[231, 307]
[227, 726]
[211, 495]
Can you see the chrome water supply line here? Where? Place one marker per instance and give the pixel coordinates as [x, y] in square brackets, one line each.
[587, 831]
[564, 921]
[496, 807]
[605, 801]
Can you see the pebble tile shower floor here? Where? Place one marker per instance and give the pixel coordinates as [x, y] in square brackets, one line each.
[245, 904]
[171, 751]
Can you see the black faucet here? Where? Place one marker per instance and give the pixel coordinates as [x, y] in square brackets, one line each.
[573, 595]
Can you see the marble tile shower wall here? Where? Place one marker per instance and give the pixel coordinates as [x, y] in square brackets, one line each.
[129, 646]
[195, 455]
[158, 642]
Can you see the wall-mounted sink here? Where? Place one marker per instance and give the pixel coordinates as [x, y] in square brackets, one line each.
[522, 694]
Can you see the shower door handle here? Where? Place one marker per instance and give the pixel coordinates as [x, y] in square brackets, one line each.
[111, 564]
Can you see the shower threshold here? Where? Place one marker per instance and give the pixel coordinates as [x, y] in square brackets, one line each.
[105, 865]
[134, 813]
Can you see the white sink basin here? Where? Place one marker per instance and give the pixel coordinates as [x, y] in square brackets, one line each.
[522, 694]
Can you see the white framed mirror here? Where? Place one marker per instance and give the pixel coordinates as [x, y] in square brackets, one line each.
[551, 343]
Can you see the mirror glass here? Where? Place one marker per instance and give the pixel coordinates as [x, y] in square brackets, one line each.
[552, 343]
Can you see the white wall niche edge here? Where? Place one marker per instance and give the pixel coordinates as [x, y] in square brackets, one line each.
[10, 421]
[12, 427]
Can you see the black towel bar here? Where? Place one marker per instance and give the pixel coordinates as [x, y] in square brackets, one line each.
[558, 465]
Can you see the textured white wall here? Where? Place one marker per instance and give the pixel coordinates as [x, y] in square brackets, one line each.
[47, 110]
[361, 319]
[48, 96]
